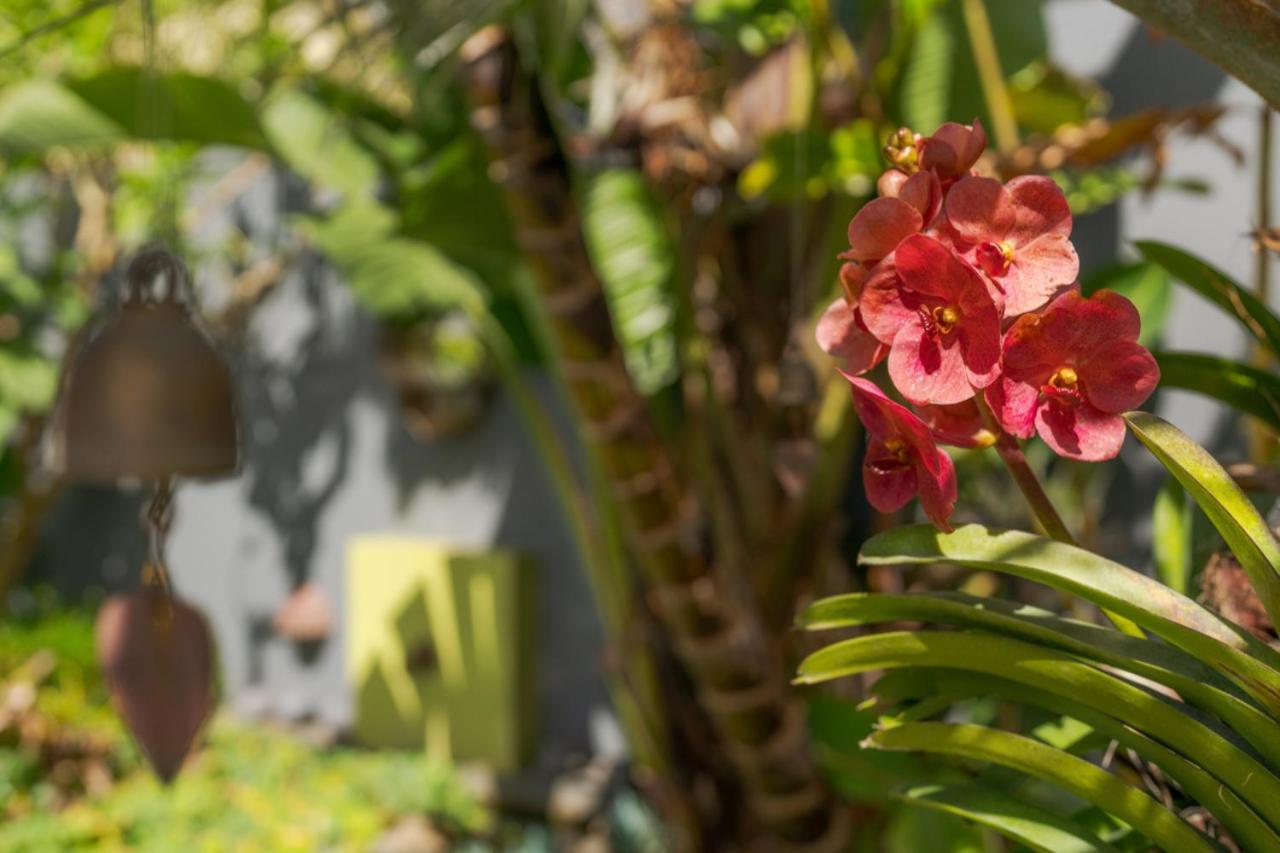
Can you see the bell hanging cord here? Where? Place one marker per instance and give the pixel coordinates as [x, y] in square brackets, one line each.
[158, 517]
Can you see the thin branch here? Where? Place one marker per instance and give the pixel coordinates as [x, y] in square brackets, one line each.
[55, 24]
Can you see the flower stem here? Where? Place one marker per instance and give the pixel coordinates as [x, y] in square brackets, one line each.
[1016, 461]
[990, 75]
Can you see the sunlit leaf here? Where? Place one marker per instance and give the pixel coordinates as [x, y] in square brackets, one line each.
[1246, 824]
[393, 277]
[635, 258]
[1034, 666]
[1076, 775]
[926, 78]
[39, 114]
[1037, 828]
[1045, 98]
[1242, 527]
[1113, 587]
[314, 143]
[1197, 683]
[1171, 526]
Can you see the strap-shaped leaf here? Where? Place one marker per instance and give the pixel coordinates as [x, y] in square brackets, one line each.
[1085, 780]
[1063, 676]
[1171, 541]
[1247, 826]
[1167, 614]
[1029, 825]
[1245, 531]
[1241, 386]
[1197, 683]
[1218, 287]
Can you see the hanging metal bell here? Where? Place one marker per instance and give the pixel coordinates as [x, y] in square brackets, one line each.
[146, 395]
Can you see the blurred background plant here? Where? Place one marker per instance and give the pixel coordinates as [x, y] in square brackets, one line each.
[487, 177]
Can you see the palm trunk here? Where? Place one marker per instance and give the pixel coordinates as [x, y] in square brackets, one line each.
[739, 677]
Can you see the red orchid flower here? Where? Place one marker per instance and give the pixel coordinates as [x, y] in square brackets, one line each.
[959, 424]
[902, 458]
[939, 319]
[952, 149]
[907, 207]
[1070, 371]
[841, 331]
[1018, 234]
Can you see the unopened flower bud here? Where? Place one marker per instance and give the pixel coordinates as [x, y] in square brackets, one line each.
[902, 150]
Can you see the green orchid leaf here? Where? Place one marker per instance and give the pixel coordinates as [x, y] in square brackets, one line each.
[1175, 725]
[1197, 683]
[1080, 777]
[1200, 784]
[1171, 526]
[1242, 527]
[1216, 286]
[1243, 387]
[1037, 828]
[1175, 618]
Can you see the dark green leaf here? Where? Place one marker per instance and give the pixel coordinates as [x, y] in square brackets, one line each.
[1243, 387]
[1218, 288]
[175, 106]
[38, 115]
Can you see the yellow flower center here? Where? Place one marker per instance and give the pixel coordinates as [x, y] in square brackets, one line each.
[1064, 379]
[898, 448]
[946, 317]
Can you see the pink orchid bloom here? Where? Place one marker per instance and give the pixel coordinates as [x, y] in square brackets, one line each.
[902, 458]
[1018, 234]
[841, 331]
[959, 424]
[939, 319]
[1070, 370]
[882, 223]
[952, 149]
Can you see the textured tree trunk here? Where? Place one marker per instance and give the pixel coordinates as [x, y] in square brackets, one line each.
[739, 676]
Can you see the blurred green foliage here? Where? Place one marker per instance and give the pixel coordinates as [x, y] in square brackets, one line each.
[248, 788]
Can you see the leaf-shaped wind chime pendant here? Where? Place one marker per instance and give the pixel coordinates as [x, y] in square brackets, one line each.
[147, 397]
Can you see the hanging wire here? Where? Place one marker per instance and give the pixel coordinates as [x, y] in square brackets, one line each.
[158, 518]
